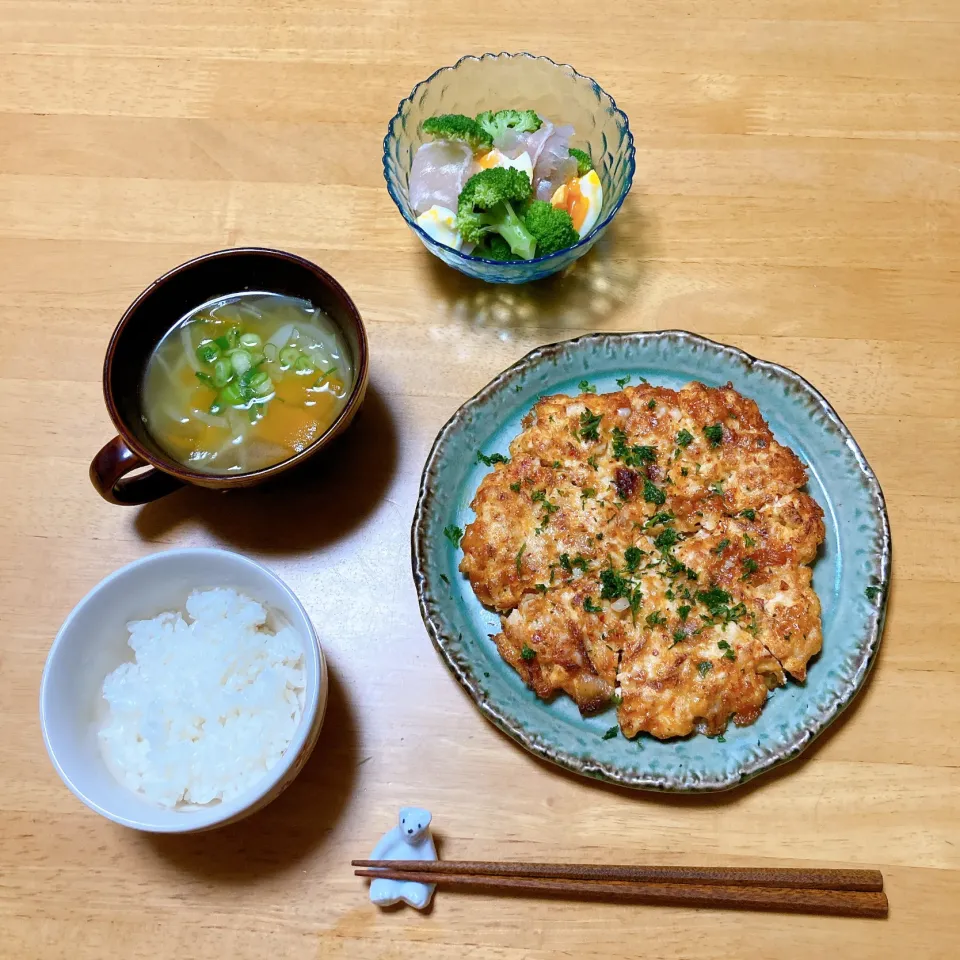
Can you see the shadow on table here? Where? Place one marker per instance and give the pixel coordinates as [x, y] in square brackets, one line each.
[585, 295]
[287, 830]
[316, 505]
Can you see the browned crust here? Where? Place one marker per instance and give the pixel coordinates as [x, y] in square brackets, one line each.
[565, 508]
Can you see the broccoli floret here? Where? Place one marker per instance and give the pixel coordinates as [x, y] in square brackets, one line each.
[486, 206]
[455, 126]
[494, 247]
[551, 228]
[584, 163]
[496, 123]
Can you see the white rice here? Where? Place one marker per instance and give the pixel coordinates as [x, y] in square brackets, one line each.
[209, 706]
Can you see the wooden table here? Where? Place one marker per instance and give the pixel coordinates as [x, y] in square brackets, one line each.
[798, 174]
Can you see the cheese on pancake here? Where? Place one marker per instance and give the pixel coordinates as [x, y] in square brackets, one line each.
[652, 540]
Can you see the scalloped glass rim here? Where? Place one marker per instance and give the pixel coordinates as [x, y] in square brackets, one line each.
[430, 242]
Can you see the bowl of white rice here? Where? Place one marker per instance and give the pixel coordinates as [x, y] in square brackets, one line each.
[184, 692]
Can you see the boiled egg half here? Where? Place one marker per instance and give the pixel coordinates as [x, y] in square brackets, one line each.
[582, 198]
[440, 223]
[494, 158]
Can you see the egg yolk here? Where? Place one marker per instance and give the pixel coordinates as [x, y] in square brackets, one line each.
[574, 202]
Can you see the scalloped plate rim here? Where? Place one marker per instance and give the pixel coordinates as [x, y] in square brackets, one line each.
[607, 772]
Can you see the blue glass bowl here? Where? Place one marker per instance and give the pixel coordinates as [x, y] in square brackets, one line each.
[496, 81]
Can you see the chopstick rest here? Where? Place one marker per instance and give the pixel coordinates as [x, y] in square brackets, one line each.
[410, 840]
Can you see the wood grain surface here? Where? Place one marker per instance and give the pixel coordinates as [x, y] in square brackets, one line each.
[797, 194]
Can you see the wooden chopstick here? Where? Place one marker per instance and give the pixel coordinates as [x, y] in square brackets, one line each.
[867, 881]
[842, 903]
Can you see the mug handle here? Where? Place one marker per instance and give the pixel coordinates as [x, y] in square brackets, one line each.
[108, 471]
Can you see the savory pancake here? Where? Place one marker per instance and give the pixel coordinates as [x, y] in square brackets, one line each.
[650, 547]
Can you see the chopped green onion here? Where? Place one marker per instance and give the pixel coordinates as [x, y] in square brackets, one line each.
[208, 353]
[216, 407]
[288, 357]
[241, 361]
[323, 376]
[223, 343]
[250, 340]
[230, 395]
[270, 351]
[261, 385]
[206, 380]
[222, 372]
[304, 364]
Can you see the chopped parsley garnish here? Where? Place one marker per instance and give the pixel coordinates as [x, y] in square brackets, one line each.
[748, 541]
[871, 593]
[492, 459]
[750, 514]
[453, 534]
[684, 472]
[704, 667]
[678, 637]
[613, 585]
[632, 557]
[593, 462]
[666, 539]
[586, 494]
[556, 464]
[590, 606]
[540, 496]
[445, 579]
[714, 433]
[540, 587]
[653, 494]
[631, 456]
[527, 653]
[585, 386]
[684, 438]
[721, 738]
[623, 381]
[749, 566]
[616, 700]
[611, 733]
[515, 487]
[721, 546]
[714, 600]
[656, 618]
[683, 612]
[716, 488]
[728, 652]
[578, 561]
[658, 518]
[717, 601]
[519, 560]
[590, 424]
[652, 405]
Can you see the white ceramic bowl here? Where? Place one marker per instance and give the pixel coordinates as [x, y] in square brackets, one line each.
[93, 641]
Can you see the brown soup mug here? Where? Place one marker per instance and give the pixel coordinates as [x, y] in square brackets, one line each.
[142, 328]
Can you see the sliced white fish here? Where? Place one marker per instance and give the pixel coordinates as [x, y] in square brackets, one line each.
[440, 169]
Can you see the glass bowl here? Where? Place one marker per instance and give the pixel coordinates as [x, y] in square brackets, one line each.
[496, 81]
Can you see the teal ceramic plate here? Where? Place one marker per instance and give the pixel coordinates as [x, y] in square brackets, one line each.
[850, 575]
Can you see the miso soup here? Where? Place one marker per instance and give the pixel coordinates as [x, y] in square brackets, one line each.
[245, 382]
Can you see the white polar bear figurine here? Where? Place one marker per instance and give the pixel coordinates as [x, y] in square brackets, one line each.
[410, 840]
